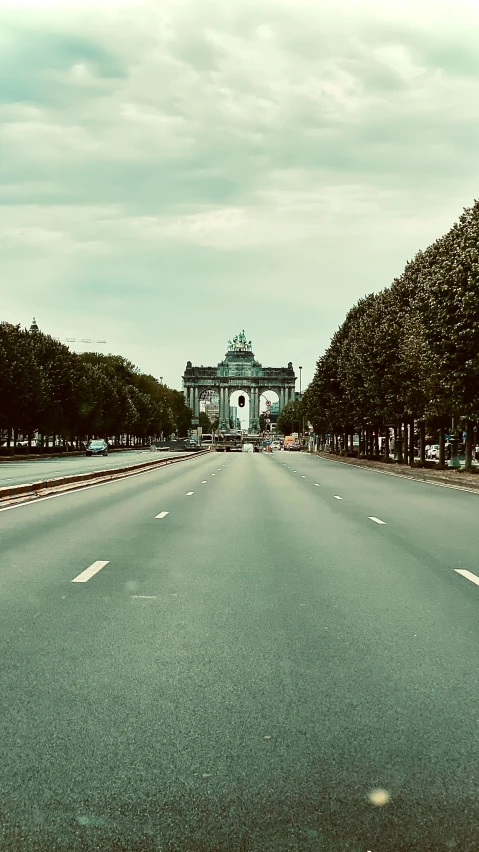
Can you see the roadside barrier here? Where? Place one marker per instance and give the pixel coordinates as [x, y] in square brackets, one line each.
[77, 480]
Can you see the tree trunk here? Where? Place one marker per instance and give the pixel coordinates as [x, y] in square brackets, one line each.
[362, 442]
[422, 439]
[400, 445]
[469, 438]
[406, 442]
[411, 442]
[352, 440]
[386, 444]
[442, 445]
[376, 441]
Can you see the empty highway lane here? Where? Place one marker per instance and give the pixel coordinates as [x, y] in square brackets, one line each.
[241, 652]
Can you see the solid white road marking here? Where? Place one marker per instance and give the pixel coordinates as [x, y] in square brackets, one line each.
[162, 515]
[337, 498]
[468, 575]
[189, 493]
[377, 520]
[89, 572]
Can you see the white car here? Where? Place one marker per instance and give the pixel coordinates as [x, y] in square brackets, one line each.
[432, 451]
[276, 445]
[248, 448]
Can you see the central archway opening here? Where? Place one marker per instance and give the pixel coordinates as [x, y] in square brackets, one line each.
[240, 415]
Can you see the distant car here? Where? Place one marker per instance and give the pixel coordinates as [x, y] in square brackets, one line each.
[432, 451]
[97, 448]
[276, 445]
[294, 447]
[248, 448]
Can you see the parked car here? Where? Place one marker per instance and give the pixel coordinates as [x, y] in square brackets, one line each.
[97, 448]
[432, 451]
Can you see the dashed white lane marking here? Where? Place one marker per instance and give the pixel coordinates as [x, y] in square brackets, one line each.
[145, 597]
[89, 572]
[203, 481]
[317, 485]
[303, 476]
[213, 474]
[189, 493]
[468, 575]
[162, 515]
[337, 498]
[377, 520]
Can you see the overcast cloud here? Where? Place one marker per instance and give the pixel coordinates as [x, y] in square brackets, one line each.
[173, 171]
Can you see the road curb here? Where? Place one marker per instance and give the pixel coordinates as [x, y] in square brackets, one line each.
[78, 480]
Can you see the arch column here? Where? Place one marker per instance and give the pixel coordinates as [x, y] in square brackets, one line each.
[196, 402]
[221, 411]
[255, 407]
[224, 415]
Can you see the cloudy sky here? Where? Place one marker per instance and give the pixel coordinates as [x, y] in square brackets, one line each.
[173, 171]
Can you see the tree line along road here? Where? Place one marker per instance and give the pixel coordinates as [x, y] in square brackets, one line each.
[241, 652]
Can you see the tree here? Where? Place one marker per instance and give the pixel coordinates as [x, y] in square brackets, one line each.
[204, 422]
[291, 417]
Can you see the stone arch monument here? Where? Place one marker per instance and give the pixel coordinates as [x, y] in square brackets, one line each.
[238, 371]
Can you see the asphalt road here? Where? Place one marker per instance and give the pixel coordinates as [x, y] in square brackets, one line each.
[21, 472]
[265, 667]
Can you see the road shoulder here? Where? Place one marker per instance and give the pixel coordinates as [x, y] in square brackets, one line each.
[451, 478]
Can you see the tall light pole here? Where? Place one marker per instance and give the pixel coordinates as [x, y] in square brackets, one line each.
[300, 395]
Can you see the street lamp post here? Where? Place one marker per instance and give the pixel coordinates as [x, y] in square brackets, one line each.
[300, 396]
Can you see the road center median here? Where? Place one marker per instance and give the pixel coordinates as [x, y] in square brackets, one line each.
[31, 490]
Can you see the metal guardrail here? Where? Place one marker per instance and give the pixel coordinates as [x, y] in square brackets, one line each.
[69, 483]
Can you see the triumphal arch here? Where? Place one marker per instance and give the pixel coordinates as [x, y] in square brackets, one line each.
[238, 371]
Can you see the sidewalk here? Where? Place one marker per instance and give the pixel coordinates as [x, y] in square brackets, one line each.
[454, 478]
